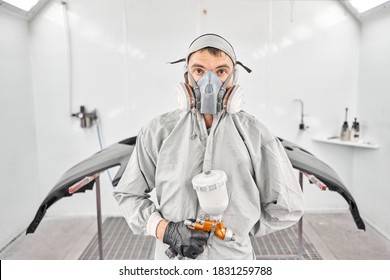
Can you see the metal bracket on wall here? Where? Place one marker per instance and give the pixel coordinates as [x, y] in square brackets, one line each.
[86, 119]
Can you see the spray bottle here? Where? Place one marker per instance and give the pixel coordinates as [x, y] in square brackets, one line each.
[355, 129]
[345, 132]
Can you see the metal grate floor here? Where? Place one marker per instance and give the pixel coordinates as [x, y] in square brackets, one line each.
[119, 243]
[283, 244]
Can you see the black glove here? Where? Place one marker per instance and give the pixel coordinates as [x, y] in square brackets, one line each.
[184, 241]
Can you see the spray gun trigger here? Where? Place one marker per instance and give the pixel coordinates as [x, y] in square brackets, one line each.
[212, 233]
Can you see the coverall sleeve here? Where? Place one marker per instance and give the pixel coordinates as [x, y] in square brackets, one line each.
[132, 191]
[281, 197]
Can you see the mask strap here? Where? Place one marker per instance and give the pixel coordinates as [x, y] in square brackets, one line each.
[177, 61]
[243, 66]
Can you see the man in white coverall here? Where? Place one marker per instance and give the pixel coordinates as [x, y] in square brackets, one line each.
[208, 134]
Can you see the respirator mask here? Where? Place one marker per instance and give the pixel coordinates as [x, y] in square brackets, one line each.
[232, 100]
[209, 95]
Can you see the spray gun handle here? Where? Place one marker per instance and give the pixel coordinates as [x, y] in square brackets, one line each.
[171, 253]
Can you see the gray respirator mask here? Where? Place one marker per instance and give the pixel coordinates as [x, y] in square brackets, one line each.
[209, 93]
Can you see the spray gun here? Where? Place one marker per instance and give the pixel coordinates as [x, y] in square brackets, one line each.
[213, 198]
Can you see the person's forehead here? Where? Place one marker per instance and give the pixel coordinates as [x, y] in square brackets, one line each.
[205, 57]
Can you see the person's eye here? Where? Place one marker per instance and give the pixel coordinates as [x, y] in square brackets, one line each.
[198, 71]
[221, 72]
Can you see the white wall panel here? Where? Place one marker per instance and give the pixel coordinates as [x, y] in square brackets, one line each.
[371, 168]
[97, 82]
[314, 56]
[18, 152]
[245, 24]
[157, 32]
[120, 51]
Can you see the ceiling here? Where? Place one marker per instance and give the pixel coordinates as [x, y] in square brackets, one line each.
[348, 4]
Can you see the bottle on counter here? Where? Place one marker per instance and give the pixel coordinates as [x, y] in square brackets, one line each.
[355, 129]
[345, 132]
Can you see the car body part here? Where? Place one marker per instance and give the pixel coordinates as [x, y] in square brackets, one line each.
[119, 153]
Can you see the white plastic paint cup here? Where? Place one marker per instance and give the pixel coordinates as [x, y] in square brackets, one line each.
[212, 193]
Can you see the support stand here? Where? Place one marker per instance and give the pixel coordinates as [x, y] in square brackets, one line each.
[99, 217]
[300, 225]
[77, 186]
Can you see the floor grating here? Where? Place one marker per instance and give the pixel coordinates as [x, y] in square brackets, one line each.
[283, 244]
[119, 243]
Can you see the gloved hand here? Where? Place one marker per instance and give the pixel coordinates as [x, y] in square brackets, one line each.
[186, 242]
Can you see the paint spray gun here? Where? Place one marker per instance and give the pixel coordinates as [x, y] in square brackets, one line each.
[213, 198]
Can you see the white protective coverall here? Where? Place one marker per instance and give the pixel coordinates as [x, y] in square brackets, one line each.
[264, 193]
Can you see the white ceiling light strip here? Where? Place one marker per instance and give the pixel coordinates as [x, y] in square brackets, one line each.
[25, 5]
[364, 5]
